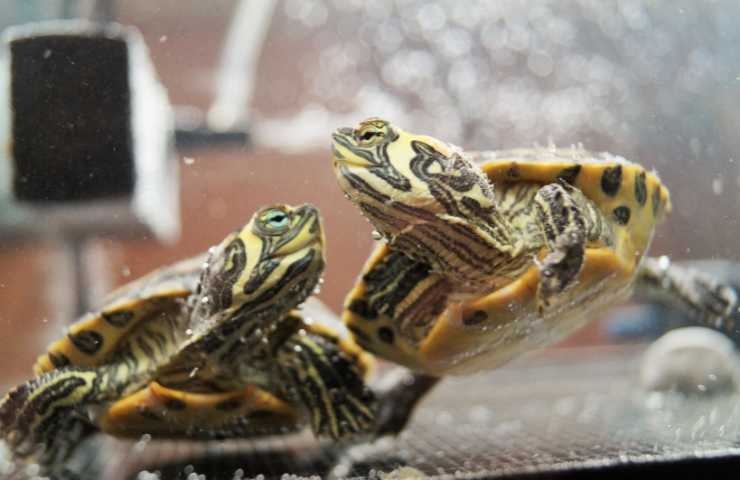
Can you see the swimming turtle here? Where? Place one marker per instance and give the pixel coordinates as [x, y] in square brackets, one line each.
[487, 255]
[211, 347]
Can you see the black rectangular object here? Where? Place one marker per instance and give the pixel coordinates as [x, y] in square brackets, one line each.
[71, 118]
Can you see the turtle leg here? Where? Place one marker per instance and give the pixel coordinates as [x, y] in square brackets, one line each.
[48, 412]
[328, 381]
[564, 229]
[398, 398]
[707, 300]
[398, 300]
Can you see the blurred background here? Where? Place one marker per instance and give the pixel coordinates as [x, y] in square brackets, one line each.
[256, 88]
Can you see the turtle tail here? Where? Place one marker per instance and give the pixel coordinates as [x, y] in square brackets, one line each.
[47, 415]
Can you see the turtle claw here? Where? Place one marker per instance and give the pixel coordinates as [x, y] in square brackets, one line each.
[560, 268]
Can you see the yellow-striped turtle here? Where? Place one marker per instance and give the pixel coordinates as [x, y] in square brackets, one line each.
[490, 254]
[209, 347]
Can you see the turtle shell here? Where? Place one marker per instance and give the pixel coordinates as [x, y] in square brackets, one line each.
[156, 409]
[172, 413]
[95, 337]
[492, 329]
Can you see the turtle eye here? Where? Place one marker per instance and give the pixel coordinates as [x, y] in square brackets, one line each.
[369, 136]
[274, 221]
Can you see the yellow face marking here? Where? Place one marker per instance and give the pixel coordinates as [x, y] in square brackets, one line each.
[277, 234]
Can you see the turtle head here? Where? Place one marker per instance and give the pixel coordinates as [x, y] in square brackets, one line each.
[269, 266]
[379, 160]
[420, 193]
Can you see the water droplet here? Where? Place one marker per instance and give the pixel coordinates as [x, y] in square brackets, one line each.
[163, 39]
[664, 262]
[701, 387]
[297, 349]
[189, 332]
[194, 372]
[205, 299]
[188, 160]
[47, 53]
[212, 250]
[377, 235]
[718, 186]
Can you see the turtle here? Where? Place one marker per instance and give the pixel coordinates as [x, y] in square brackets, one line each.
[210, 347]
[485, 255]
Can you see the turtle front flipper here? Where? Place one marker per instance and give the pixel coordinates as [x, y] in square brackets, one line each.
[707, 300]
[47, 415]
[564, 229]
[326, 377]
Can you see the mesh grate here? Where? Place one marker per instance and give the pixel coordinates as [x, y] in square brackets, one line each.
[560, 413]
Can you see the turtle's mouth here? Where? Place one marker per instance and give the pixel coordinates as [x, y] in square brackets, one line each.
[344, 147]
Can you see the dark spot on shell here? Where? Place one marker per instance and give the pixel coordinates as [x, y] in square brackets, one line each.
[87, 341]
[569, 174]
[386, 335]
[359, 334]
[118, 319]
[261, 414]
[228, 405]
[148, 414]
[656, 201]
[475, 318]
[622, 215]
[59, 360]
[174, 404]
[640, 188]
[513, 171]
[362, 308]
[611, 180]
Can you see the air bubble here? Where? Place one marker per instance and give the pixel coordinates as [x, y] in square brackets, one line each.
[143, 442]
